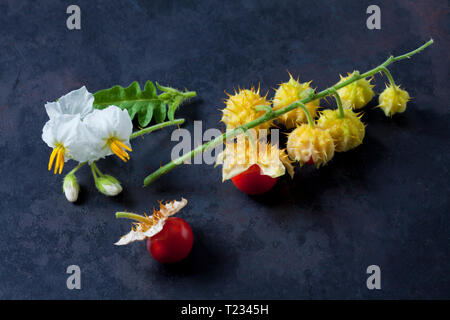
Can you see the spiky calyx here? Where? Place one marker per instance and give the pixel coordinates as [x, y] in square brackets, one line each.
[357, 94]
[393, 100]
[347, 132]
[288, 93]
[240, 110]
[241, 155]
[148, 226]
[306, 143]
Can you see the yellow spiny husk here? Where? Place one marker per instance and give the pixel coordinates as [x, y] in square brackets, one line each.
[357, 94]
[306, 142]
[288, 93]
[347, 132]
[241, 155]
[393, 100]
[240, 109]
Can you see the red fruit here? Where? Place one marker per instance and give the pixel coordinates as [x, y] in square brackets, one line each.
[173, 243]
[251, 181]
[310, 161]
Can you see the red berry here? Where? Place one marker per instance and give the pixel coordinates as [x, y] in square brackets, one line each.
[252, 182]
[173, 243]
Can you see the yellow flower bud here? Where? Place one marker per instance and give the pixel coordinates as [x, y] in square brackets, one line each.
[393, 100]
[347, 132]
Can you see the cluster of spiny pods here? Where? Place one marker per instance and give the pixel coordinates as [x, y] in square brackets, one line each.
[316, 135]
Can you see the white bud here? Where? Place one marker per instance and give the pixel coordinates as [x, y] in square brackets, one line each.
[71, 187]
[108, 185]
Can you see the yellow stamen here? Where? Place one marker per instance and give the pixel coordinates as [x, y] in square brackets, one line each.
[52, 158]
[58, 160]
[61, 164]
[123, 145]
[117, 147]
[57, 157]
[118, 150]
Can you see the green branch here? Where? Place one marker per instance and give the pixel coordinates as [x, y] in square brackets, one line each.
[156, 127]
[389, 76]
[76, 168]
[339, 103]
[275, 114]
[133, 216]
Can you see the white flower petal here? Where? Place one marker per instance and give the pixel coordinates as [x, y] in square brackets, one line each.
[75, 102]
[111, 122]
[72, 133]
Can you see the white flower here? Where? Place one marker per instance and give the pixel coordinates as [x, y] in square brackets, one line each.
[148, 226]
[71, 187]
[77, 102]
[110, 129]
[66, 135]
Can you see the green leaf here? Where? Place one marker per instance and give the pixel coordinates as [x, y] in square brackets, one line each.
[133, 99]
[146, 104]
[160, 111]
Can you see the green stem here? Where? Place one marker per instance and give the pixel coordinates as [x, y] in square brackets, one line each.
[389, 76]
[93, 171]
[156, 127]
[97, 169]
[275, 114]
[339, 103]
[133, 216]
[308, 115]
[76, 168]
[189, 94]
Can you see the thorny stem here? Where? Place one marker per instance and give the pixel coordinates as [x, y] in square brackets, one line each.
[275, 114]
[156, 127]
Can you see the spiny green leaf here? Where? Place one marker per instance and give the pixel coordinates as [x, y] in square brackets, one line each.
[146, 103]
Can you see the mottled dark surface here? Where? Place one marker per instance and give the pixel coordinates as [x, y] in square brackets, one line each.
[385, 203]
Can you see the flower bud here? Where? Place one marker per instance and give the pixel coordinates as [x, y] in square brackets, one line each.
[71, 187]
[393, 100]
[108, 185]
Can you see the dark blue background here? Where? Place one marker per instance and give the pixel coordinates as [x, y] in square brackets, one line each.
[385, 203]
